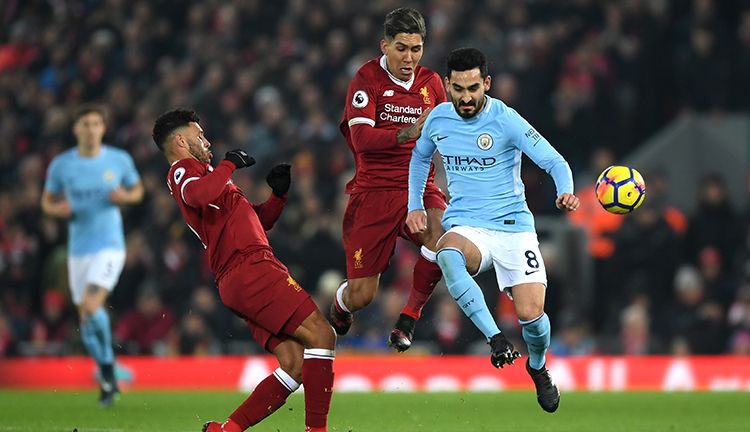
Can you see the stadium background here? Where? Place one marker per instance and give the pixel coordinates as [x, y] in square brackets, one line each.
[596, 78]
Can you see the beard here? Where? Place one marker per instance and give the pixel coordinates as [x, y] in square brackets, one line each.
[476, 104]
[465, 114]
[200, 153]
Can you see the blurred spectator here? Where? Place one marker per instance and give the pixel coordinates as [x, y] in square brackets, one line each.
[145, 329]
[52, 330]
[636, 337]
[696, 322]
[572, 337]
[714, 223]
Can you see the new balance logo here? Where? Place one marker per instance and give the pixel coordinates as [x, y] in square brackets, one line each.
[530, 272]
[440, 138]
[388, 93]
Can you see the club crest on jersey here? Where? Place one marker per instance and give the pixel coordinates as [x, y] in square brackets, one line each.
[360, 99]
[425, 95]
[178, 174]
[293, 283]
[358, 258]
[485, 141]
[108, 176]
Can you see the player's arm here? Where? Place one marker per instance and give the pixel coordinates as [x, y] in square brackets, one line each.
[55, 205]
[279, 179]
[419, 169]
[53, 201]
[199, 191]
[545, 156]
[131, 190]
[127, 195]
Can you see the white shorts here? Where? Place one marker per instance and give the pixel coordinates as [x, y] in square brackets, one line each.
[102, 268]
[515, 255]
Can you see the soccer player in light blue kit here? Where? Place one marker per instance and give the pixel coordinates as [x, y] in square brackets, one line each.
[487, 222]
[85, 185]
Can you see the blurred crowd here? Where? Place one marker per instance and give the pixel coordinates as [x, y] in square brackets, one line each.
[595, 77]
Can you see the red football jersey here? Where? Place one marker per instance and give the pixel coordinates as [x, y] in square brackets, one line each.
[377, 106]
[218, 213]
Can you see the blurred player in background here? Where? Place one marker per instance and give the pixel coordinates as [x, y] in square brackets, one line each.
[488, 222]
[85, 185]
[252, 282]
[387, 102]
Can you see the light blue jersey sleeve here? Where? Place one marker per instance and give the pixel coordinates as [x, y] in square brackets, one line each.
[54, 182]
[419, 168]
[539, 150]
[130, 175]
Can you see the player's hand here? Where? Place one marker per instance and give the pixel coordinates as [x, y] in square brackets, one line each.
[279, 178]
[118, 196]
[416, 221]
[239, 158]
[63, 209]
[414, 131]
[567, 202]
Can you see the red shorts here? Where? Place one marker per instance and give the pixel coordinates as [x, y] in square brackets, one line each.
[259, 289]
[372, 221]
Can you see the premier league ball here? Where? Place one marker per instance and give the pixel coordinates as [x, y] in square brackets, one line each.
[620, 189]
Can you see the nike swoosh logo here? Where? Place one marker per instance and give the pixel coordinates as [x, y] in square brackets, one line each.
[531, 272]
[440, 138]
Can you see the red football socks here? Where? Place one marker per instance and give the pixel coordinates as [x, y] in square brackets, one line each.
[426, 275]
[317, 377]
[268, 396]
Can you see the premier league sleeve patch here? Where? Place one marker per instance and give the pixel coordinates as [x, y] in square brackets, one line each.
[360, 99]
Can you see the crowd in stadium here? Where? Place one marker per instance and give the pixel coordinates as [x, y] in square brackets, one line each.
[596, 78]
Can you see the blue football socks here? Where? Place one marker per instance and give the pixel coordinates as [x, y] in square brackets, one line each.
[536, 333]
[465, 290]
[100, 319]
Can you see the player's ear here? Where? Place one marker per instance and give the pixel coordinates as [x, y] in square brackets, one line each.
[383, 45]
[447, 83]
[487, 82]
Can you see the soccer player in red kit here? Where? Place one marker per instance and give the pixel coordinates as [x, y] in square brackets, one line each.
[252, 282]
[387, 103]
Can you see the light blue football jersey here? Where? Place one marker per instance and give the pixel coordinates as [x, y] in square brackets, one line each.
[96, 223]
[482, 159]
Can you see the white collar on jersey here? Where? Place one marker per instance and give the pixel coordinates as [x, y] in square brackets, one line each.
[398, 82]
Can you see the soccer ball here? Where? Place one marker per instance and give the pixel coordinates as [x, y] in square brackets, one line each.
[620, 189]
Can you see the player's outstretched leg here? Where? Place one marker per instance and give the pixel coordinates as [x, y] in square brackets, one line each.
[340, 317]
[465, 290]
[536, 333]
[402, 333]
[317, 369]
[426, 276]
[547, 393]
[502, 351]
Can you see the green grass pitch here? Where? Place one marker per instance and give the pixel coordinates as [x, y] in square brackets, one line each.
[66, 411]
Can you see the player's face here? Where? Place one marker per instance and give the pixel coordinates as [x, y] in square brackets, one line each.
[466, 90]
[402, 54]
[198, 144]
[89, 129]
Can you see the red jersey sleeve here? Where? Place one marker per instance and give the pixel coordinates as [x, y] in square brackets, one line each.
[360, 117]
[198, 190]
[270, 210]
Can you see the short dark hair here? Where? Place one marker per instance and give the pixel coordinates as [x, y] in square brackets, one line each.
[404, 20]
[169, 121]
[88, 109]
[463, 59]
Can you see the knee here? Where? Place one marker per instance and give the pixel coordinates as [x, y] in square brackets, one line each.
[450, 261]
[362, 292]
[322, 334]
[530, 310]
[291, 363]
